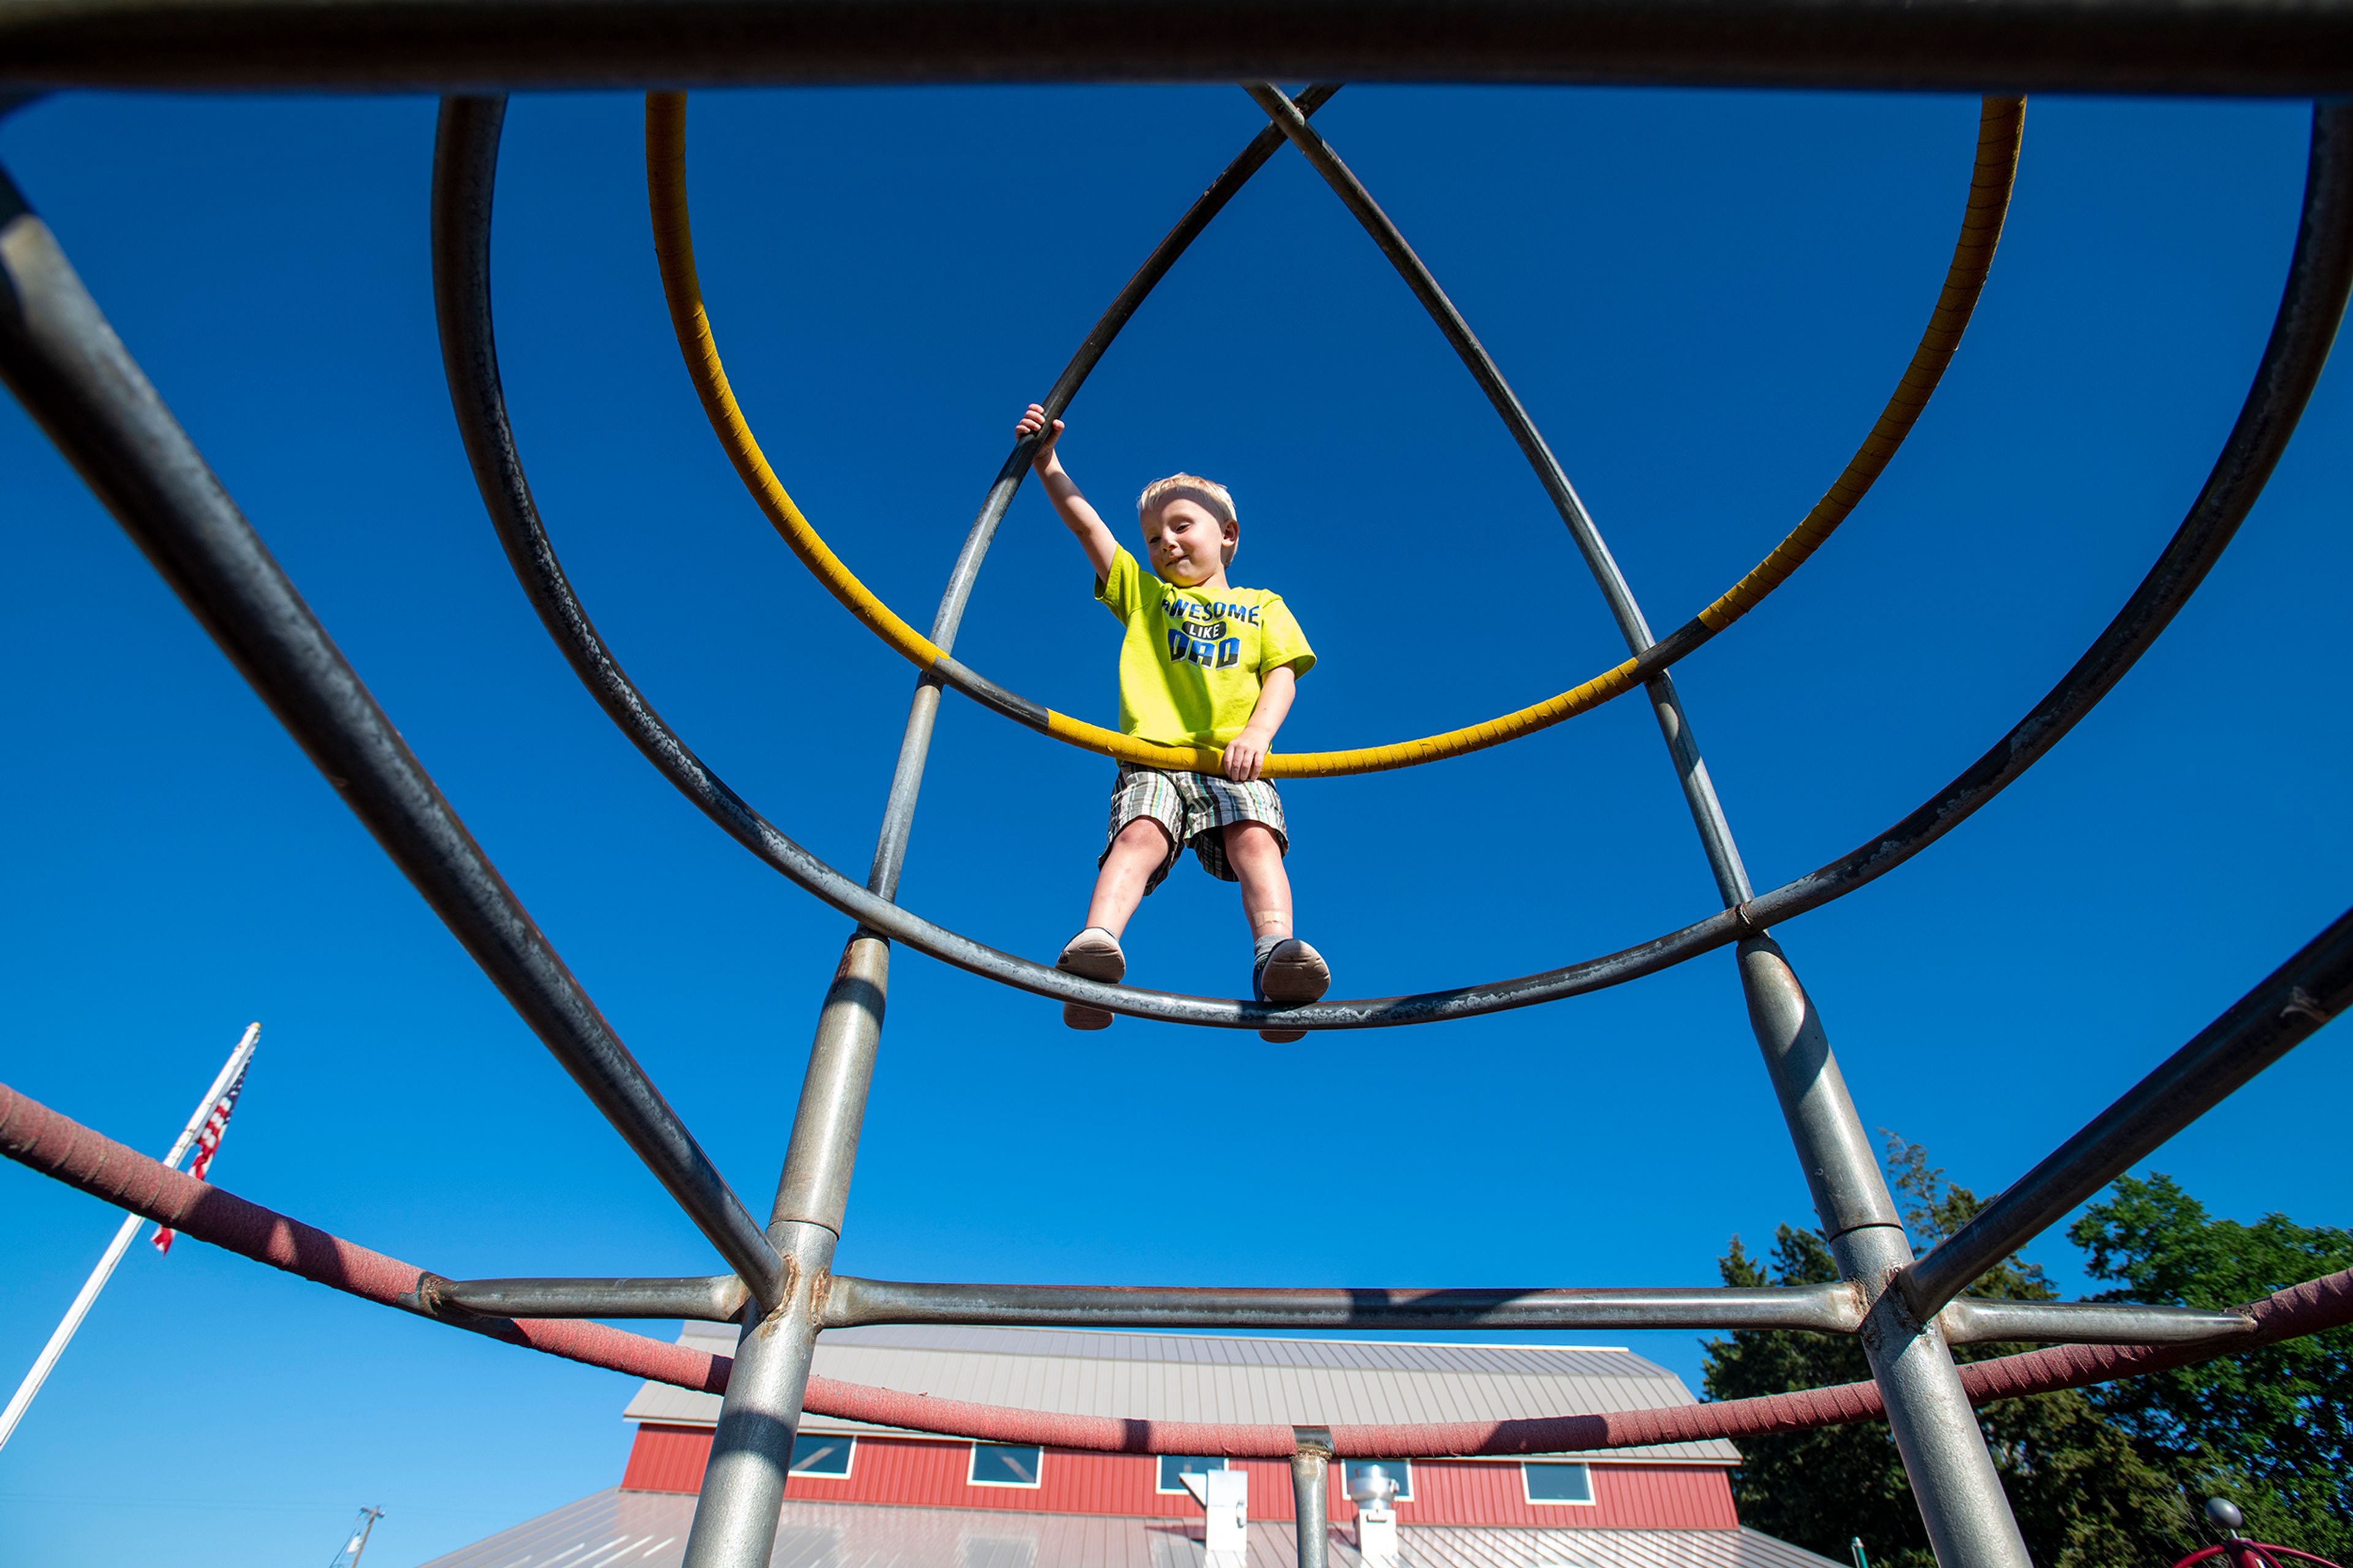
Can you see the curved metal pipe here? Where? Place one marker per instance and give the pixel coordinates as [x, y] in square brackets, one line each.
[2310, 308]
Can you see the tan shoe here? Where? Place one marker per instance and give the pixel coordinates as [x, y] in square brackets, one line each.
[1092, 954]
[1291, 974]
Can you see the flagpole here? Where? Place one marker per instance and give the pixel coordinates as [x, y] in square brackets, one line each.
[122, 1242]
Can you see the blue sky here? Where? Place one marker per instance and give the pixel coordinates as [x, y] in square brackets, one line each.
[1703, 298]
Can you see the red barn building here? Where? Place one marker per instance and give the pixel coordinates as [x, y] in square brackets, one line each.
[870, 1497]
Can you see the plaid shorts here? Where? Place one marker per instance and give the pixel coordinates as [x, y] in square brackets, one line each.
[1194, 808]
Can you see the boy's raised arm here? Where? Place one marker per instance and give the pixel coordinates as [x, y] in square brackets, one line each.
[1093, 535]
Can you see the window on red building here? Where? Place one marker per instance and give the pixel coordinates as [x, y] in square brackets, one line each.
[1003, 1465]
[822, 1453]
[1175, 1468]
[1549, 1483]
[1399, 1470]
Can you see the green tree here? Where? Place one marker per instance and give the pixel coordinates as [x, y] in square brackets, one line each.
[2271, 1428]
[2085, 1495]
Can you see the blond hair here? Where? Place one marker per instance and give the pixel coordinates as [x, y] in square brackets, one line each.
[1212, 496]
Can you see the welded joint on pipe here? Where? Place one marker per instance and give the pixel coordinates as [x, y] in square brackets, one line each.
[427, 1301]
[1744, 922]
[1917, 1296]
[820, 1291]
[1851, 1304]
[1313, 1441]
[1882, 1290]
[771, 1315]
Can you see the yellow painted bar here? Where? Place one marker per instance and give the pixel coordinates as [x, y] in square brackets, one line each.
[2001, 126]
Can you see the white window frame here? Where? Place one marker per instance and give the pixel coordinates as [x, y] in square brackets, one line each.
[1179, 1489]
[1591, 1499]
[849, 1464]
[1401, 1471]
[972, 1466]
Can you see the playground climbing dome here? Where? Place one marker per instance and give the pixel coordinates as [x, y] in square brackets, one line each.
[71, 372]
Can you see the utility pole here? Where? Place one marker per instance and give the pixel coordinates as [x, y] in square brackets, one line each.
[362, 1528]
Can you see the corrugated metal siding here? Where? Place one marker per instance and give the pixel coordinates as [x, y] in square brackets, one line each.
[1625, 1497]
[614, 1528]
[1201, 1378]
[915, 1473]
[668, 1459]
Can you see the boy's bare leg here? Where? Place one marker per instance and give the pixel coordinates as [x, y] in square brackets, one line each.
[1257, 859]
[1285, 969]
[1140, 848]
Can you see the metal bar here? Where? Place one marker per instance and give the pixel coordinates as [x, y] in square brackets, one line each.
[1823, 1309]
[1975, 1321]
[2258, 1029]
[72, 373]
[1311, 1481]
[752, 1451]
[1953, 1481]
[2297, 48]
[710, 1299]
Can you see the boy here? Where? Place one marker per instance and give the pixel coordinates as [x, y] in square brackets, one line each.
[1204, 664]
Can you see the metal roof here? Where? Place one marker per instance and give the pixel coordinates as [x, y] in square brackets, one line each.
[614, 1528]
[1199, 1377]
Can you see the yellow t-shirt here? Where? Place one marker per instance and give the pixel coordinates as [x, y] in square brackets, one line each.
[1194, 660]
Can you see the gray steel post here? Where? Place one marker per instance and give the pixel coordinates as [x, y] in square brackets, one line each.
[1959, 1496]
[751, 1453]
[1311, 1474]
[735, 1517]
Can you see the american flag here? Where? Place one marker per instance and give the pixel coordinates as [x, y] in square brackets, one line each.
[208, 1143]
